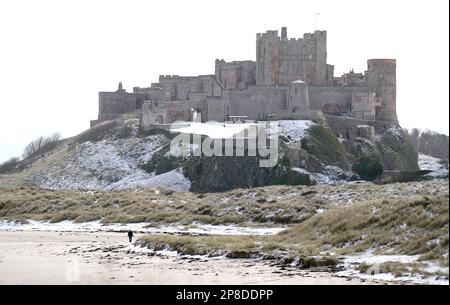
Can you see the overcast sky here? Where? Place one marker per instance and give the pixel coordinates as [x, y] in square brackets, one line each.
[56, 55]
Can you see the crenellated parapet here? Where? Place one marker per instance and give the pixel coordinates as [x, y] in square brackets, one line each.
[282, 60]
[290, 79]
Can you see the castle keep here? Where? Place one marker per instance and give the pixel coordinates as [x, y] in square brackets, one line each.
[290, 79]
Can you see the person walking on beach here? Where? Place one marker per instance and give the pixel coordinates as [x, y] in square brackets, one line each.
[130, 236]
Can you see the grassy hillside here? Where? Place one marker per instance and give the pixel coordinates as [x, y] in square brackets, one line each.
[323, 144]
[414, 226]
[265, 205]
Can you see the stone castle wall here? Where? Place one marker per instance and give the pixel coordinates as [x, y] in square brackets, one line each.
[265, 87]
[280, 61]
[381, 79]
[236, 74]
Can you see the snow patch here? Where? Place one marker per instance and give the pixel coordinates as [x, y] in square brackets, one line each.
[142, 227]
[294, 129]
[109, 164]
[351, 262]
[438, 166]
[174, 180]
[329, 175]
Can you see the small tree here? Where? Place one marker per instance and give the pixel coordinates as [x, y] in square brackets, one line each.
[368, 168]
[41, 145]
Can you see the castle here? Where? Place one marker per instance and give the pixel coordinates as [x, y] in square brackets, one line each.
[290, 79]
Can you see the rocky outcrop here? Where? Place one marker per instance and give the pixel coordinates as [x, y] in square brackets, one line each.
[392, 148]
[396, 152]
[217, 174]
[323, 144]
[114, 156]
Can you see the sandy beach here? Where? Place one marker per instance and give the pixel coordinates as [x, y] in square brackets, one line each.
[101, 258]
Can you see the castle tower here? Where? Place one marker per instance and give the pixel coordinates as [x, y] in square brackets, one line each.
[320, 39]
[298, 100]
[381, 79]
[267, 58]
[280, 61]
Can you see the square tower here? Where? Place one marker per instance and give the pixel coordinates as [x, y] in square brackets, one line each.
[280, 61]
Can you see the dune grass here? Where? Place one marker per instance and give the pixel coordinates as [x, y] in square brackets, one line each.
[267, 206]
[322, 221]
[155, 206]
[410, 226]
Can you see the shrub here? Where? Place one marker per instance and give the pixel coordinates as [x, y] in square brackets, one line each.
[41, 145]
[9, 166]
[368, 168]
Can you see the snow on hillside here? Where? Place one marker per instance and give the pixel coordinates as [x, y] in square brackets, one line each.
[109, 164]
[174, 180]
[438, 166]
[294, 129]
[116, 163]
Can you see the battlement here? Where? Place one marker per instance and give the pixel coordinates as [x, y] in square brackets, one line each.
[267, 85]
[273, 34]
[268, 35]
[176, 77]
[281, 60]
[235, 62]
[384, 61]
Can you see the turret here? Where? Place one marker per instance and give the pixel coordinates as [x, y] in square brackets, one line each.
[120, 88]
[284, 32]
[381, 79]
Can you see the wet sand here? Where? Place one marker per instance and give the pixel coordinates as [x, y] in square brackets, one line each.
[99, 258]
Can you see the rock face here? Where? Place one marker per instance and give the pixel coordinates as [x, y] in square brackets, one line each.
[392, 148]
[396, 152]
[217, 174]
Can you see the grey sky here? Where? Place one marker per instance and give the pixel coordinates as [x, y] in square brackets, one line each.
[56, 55]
